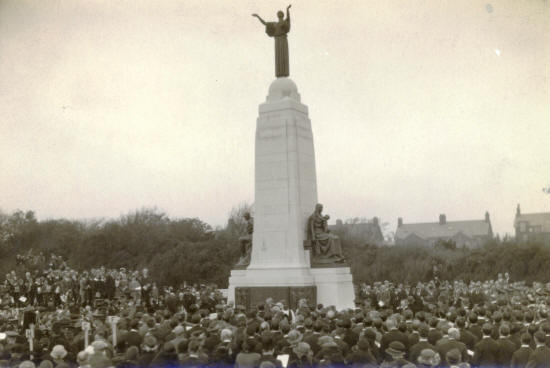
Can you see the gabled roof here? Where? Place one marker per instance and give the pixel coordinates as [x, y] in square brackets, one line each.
[536, 219]
[428, 230]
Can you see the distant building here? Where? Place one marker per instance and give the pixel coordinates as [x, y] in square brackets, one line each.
[533, 227]
[369, 232]
[470, 233]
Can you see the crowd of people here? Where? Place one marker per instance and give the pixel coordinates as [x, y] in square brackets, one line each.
[58, 317]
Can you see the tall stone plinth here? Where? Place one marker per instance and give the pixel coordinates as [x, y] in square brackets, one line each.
[285, 196]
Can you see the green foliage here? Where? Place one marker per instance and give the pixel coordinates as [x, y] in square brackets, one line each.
[174, 250]
[187, 249]
[415, 263]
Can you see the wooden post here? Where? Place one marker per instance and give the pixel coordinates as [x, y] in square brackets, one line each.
[86, 329]
[113, 326]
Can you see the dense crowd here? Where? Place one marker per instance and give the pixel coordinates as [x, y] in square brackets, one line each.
[58, 317]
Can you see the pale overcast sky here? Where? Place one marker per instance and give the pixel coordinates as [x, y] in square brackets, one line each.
[418, 107]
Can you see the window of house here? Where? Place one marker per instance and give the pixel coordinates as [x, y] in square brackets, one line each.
[522, 226]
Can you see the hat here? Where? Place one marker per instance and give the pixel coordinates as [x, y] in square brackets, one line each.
[58, 352]
[132, 353]
[453, 356]
[27, 364]
[426, 356]
[169, 347]
[226, 335]
[326, 341]
[99, 345]
[81, 358]
[46, 364]
[370, 334]
[178, 330]
[302, 349]
[396, 348]
[150, 341]
[294, 337]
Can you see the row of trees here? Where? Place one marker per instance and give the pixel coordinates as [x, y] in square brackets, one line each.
[187, 249]
[174, 250]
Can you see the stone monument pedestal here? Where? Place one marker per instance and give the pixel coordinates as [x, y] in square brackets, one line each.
[329, 286]
[285, 196]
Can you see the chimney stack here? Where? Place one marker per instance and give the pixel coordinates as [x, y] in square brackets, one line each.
[487, 218]
[518, 211]
[399, 221]
[375, 221]
[442, 219]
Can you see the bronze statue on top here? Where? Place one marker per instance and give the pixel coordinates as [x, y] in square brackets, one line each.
[245, 241]
[326, 248]
[278, 30]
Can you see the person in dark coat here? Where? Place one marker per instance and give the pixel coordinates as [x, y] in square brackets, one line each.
[312, 339]
[194, 358]
[396, 356]
[434, 335]
[132, 337]
[393, 334]
[475, 328]
[521, 355]
[149, 349]
[506, 347]
[486, 350]
[453, 343]
[541, 355]
[468, 338]
[422, 344]
[360, 355]
[167, 357]
[267, 352]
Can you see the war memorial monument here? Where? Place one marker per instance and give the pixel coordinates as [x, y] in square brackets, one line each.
[288, 252]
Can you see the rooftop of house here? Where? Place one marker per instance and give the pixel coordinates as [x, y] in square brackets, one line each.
[444, 228]
[541, 219]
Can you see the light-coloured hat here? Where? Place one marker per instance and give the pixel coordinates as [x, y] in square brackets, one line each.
[294, 337]
[99, 345]
[58, 352]
[178, 330]
[426, 356]
[326, 342]
[27, 364]
[302, 349]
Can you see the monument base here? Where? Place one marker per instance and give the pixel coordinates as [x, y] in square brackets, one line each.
[334, 286]
[329, 286]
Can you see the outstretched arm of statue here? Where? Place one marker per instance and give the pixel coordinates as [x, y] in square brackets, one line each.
[288, 16]
[260, 19]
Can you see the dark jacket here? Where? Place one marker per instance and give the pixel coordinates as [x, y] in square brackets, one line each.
[521, 357]
[486, 353]
[539, 358]
[506, 349]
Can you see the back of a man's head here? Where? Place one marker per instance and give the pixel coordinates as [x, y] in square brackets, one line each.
[525, 338]
[540, 338]
[423, 330]
[504, 330]
[267, 344]
[487, 328]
